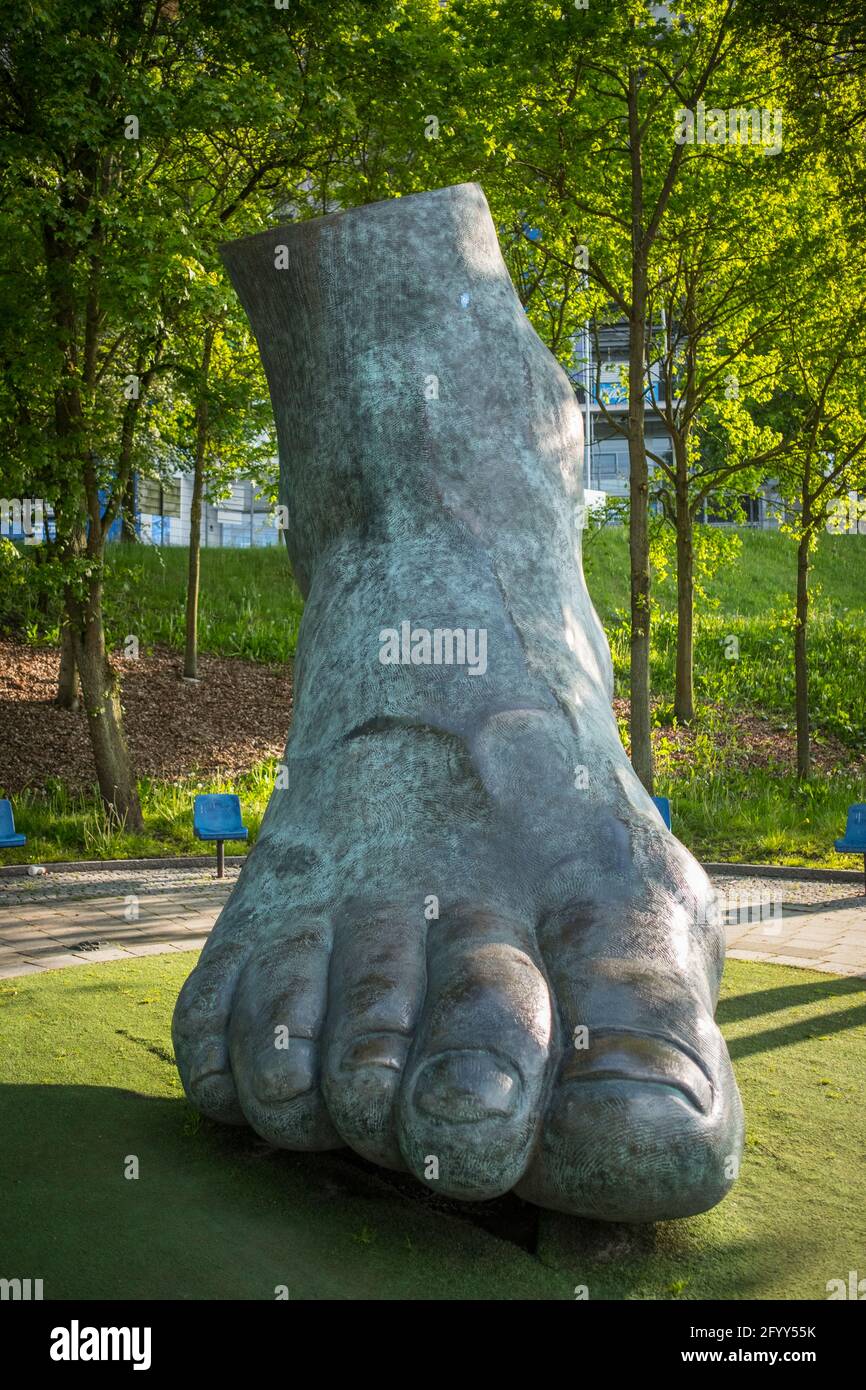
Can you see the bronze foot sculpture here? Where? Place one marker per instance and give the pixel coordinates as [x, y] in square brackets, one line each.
[464, 943]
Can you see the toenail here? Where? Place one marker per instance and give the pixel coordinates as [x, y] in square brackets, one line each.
[212, 1090]
[465, 1086]
[376, 1050]
[283, 1074]
[640, 1057]
[209, 1060]
[208, 1086]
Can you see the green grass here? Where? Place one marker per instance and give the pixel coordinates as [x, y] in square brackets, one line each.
[763, 577]
[796, 1218]
[735, 817]
[88, 1081]
[743, 818]
[250, 606]
[64, 825]
[751, 602]
[761, 677]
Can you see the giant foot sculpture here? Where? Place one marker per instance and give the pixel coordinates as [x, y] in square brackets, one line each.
[464, 943]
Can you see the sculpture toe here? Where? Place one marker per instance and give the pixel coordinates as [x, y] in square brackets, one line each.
[623, 1147]
[472, 1098]
[274, 1039]
[375, 991]
[199, 1033]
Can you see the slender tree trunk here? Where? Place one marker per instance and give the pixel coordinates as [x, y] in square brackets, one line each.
[128, 533]
[40, 560]
[100, 688]
[640, 720]
[190, 660]
[67, 696]
[131, 419]
[84, 529]
[801, 664]
[639, 724]
[190, 657]
[125, 469]
[684, 695]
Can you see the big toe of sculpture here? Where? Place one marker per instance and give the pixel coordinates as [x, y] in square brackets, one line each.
[464, 943]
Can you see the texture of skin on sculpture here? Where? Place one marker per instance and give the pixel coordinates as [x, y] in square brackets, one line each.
[464, 943]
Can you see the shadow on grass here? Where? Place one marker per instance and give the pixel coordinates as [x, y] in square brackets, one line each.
[756, 1002]
[760, 1003]
[214, 1212]
[691, 1259]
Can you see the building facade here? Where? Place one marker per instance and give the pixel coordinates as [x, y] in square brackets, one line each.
[245, 520]
[600, 382]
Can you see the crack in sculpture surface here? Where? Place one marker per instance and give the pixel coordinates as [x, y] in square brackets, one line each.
[464, 944]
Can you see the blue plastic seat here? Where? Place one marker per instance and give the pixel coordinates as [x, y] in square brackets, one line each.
[217, 816]
[855, 831]
[854, 841]
[663, 806]
[8, 834]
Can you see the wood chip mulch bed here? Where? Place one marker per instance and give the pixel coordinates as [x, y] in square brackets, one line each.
[747, 741]
[238, 715]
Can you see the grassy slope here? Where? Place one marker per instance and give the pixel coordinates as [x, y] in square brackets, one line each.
[762, 579]
[251, 607]
[85, 1058]
[751, 600]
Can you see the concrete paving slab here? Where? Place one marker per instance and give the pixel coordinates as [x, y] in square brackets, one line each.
[822, 927]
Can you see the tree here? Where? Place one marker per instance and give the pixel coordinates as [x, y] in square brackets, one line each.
[218, 425]
[582, 139]
[735, 232]
[820, 411]
[122, 131]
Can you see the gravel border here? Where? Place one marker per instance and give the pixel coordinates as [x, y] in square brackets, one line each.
[786, 871]
[82, 866]
[204, 861]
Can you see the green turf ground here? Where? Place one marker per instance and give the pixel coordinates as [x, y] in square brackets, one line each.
[85, 1058]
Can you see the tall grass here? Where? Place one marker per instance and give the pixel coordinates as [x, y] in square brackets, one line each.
[719, 814]
[250, 606]
[761, 580]
[741, 817]
[755, 670]
[60, 824]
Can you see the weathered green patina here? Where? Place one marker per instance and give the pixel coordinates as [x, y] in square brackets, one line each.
[464, 943]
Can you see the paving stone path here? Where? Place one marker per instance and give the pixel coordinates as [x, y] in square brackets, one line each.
[796, 922]
[79, 917]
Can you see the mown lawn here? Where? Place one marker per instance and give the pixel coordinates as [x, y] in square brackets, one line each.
[89, 1084]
